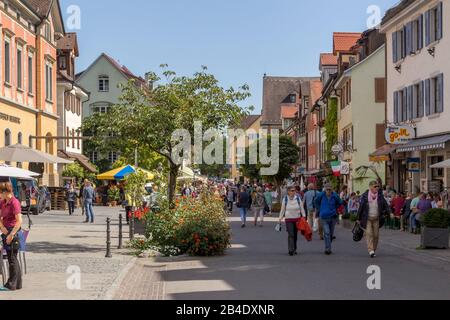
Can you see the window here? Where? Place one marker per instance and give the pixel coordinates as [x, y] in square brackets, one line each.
[78, 104]
[19, 68]
[433, 24]
[30, 74]
[434, 95]
[48, 32]
[112, 156]
[292, 98]
[103, 84]
[287, 123]
[306, 102]
[93, 156]
[417, 100]
[101, 108]
[19, 138]
[380, 90]
[49, 82]
[7, 137]
[62, 63]
[7, 62]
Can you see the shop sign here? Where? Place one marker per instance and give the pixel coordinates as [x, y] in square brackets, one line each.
[413, 165]
[399, 134]
[7, 117]
[345, 168]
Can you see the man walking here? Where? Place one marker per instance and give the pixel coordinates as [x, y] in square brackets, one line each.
[327, 204]
[310, 199]
[88, 196]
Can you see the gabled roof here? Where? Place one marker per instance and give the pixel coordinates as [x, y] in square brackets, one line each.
[328, 59]
[288, 112]
[68, 42]
[122, 69]
[248, 121]
[344, 41]
[40, 7]
[316, 91]
[391, 13]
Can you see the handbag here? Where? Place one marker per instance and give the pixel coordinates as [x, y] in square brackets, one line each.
[278, 227]
[305, 229]
[316, 225]
[358, 232]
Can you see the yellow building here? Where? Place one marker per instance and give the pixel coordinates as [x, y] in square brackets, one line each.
[251, 125]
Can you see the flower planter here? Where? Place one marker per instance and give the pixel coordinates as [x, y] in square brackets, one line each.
[113, 204]
[139, 226]
[435, 238]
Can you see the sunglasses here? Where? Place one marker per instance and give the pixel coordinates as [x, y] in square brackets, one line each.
[376, 187]
[292, 190]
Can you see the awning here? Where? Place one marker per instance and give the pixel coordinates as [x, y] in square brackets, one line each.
[81, 159]
[441, 165]
[383, 153]
[122, 173]
[431, 143]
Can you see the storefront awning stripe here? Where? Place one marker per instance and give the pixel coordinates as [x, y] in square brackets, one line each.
[431, 143]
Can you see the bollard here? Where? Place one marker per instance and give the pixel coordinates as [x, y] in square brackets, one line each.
[120, 232]
[132, 226]
[108, 238]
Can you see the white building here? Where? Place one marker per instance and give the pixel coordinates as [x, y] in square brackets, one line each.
[418, 66]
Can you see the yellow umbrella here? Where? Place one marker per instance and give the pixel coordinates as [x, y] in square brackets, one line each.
[122, 172]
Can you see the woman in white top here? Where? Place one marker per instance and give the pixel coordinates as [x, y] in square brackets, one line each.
[292, 210]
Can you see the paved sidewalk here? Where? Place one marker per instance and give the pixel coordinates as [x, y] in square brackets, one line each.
[57, 242]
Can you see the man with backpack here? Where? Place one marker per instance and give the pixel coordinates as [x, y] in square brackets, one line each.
[310, 205]
[327, 204]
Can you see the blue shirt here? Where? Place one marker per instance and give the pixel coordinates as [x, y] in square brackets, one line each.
[310, 198]
[328, 206]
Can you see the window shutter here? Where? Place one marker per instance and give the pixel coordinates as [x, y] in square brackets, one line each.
[427, 27]
[440, 94]
[415, 102]
[409, 102]
[408, 39]
[380, 137]
[439, 21]
[396, 111]
[420, 33]
[421, 99]
[428, 97]
[403, 42]
[380, 90]
[394, 47]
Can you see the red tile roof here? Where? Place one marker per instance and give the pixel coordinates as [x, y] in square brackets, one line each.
[328, 59]
[123, 69]
[316, 91]
[68, 42]
[288, 112]
[344, 41]
[39, 7]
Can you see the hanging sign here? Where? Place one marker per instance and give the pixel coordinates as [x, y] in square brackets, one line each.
[413, 165]
[400, 134]
[345, 168]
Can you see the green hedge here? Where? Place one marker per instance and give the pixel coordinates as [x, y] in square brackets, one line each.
[437, 218]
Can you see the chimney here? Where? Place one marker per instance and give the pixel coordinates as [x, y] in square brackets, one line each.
[148, 80]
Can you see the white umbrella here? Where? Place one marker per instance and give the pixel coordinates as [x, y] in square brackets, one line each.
[21, 153]
[13, 172]
[441, 165]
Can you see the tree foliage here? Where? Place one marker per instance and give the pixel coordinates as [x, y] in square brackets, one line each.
[146, 119]
[331, 127]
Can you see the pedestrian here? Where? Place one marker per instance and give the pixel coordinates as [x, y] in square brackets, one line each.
[243, 203]
[327, 204]
[397, 203]
[292, 211]
[230, 199]
[353, 205]
[310, 205]
[406, 211]
[422, 207]
[269, 200]
[10, 226]
[259, 203]
[88, 196]
[371, 215]
[71, 198]
[414, 211]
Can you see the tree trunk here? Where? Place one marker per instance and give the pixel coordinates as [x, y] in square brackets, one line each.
[173, 174]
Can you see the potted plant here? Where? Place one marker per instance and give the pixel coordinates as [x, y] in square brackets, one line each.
[346, 222]
[113, 196]
[435, 233]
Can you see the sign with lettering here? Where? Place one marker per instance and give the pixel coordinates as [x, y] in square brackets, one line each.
[413, 164]
[400, 135]
[7, 117]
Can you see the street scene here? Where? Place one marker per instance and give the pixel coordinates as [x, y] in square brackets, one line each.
[224, 151]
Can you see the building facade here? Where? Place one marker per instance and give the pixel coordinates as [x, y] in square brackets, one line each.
[28, 99]
[417, 46]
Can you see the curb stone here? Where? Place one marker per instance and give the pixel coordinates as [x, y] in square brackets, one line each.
[109, 293]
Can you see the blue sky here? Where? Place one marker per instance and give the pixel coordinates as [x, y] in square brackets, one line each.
[239, 40]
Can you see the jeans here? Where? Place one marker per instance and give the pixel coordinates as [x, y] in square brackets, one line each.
[412, 222]
[230, 205]
[329, 225]
[243, 212]
[259, 212]
[15, 274]
[89, 211]
[291, 228]
[71, 207]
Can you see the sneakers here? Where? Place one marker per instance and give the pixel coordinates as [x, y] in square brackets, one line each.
[372, 254]
[243, 226]
[328, 252]
[291, 254]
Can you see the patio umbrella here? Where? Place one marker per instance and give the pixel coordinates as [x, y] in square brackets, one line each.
[21, 153]
[441, 165]
[8, 171]
[122, 172]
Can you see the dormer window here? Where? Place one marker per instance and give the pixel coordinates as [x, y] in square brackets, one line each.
[103, 83]
[62, 63]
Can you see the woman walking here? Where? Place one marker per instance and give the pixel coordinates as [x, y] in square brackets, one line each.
[71, 198]
[292, 210]
[371, 215]
[259, 203]
[269, 201]
[10, 226]
[243, 203]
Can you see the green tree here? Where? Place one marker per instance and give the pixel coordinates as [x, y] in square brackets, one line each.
[146, 119]
[331, 127]
[289, 155]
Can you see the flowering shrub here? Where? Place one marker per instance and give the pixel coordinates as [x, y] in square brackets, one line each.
[195, 226]
[140, 213]
[140, 245]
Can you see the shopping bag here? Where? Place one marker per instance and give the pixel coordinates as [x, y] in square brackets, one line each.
[316, 225]
[278, 227]
[305, 229]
